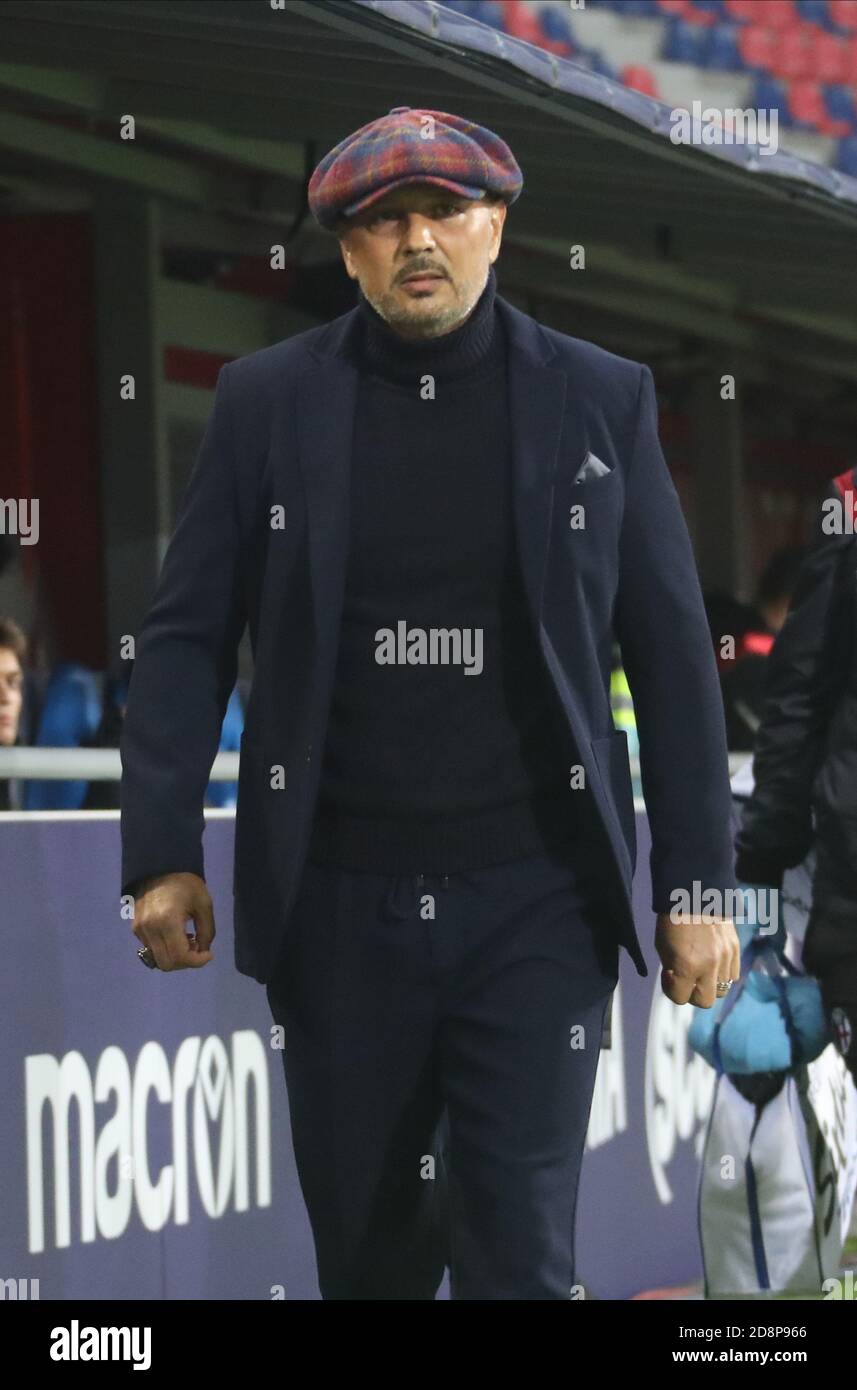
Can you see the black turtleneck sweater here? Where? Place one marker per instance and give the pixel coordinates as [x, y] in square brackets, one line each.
[427, 768]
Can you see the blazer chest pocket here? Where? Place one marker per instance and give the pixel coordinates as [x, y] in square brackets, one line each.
[587, 490]
[592, 470]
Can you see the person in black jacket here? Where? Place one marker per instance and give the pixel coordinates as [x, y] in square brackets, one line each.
[432, 875]
[805, 758]
[742, 680]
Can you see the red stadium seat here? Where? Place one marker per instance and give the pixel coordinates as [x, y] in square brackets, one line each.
[851, 62]
[756, 46]
[807, 106]
[640, 79]
[804, 102]
[778, 14]
[843, 13]
[521, 23]
[561, 47]
[742, 11]
[828, 58]
[702, 18]
[681, 8]
[839, 129]
[791, 56]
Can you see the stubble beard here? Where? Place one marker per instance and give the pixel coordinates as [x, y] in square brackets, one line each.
[423, 319]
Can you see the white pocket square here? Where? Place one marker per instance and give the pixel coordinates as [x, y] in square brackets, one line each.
[592, 467]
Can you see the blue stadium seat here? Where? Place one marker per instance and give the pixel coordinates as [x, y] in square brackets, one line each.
[594, 61]
[71, 714]
[813, 11]
[715, 7]
[686, 43]
[489, 12]
[636, 9]
[723, 51]
[226, 793]
[555, 24]
[602, 65]
[846, 157]
[841, 105]
[769, 94]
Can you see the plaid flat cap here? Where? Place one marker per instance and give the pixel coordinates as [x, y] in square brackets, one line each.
[411, 145]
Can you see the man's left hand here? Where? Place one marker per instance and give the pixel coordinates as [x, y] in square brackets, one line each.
[695, 953]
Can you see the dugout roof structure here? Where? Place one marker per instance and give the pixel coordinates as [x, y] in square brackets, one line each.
[697, 259]
[235, 98]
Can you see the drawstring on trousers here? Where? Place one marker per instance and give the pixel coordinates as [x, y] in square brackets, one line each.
[404, 893]
[444, 880]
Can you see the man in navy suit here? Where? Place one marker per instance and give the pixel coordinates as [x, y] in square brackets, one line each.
[436, 516]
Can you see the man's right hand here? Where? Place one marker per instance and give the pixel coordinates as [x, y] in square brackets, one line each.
[162, 906]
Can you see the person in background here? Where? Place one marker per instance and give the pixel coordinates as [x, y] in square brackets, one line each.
[742, 680]
[777, 586]
[104, 795]
[13, 654]
[622, 706]
[727, 617]
[805, 759]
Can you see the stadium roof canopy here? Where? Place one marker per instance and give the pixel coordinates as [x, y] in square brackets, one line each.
[720, 247]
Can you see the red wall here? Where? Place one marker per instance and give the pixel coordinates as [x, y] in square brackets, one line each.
[48, 419]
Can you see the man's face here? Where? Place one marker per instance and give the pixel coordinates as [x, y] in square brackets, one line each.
[11, 695]
[421, 256]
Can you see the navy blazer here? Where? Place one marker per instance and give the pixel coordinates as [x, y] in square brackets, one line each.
[262, 538]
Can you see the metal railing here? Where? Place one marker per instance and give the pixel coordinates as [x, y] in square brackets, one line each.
[87, 764]
[103, 765]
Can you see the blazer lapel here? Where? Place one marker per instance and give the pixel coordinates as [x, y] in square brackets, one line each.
[327, 398]
[536, 408]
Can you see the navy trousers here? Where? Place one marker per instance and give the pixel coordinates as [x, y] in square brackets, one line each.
[441, 1039]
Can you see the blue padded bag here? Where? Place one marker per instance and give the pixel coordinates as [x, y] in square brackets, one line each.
[773, 1018]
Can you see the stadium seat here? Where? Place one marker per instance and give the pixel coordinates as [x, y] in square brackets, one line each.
[685, 43]
[673, 9]
[843, 13]
[72, 709]
[555, 25]
[556, 34]
[598, 63]
[791, 54]
[640, 79]
[846, 156]
[756, 47]
[770, 95]
[813, 11]
[806, 105]
[520, 22]
[723, 51]
[561, 47]
[71, 714]
[715, 8]
[841, 106]
[828, 57]
[777, 14]
[489, 12]
[742, 11]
